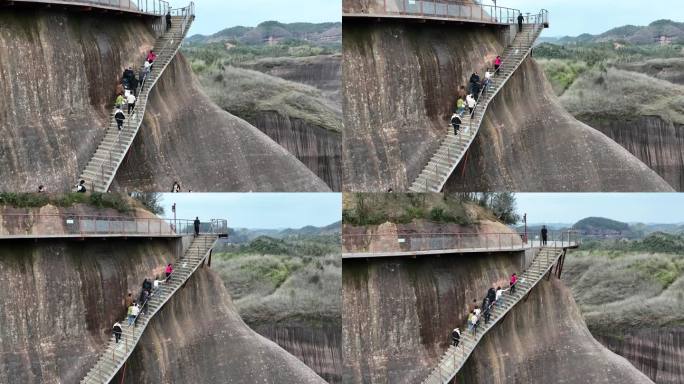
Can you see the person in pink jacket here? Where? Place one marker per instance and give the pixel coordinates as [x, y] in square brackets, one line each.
[497, 63]
[514, 280]
[169, 270]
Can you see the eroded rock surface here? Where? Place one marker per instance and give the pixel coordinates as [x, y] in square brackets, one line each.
[398, 314]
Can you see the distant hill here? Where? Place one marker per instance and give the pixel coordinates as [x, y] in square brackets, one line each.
[245, 235]
[667, 31]
[270, 32]
[600, 224]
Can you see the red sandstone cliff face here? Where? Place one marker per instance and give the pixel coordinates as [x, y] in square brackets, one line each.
[61, 297]
[58, 70]
[397, 315]
[400, 89]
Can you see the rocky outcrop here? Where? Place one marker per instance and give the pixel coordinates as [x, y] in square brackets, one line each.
[200, 338]
[528, 142]
[398, 93]
[322, 72]
[58, 71]
[317, 147]
[186, 137]
[398, 314]
[317, 345]
[61, 297]
[656, 352]
[656, 142]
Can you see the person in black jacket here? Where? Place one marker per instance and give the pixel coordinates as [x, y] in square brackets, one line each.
[455, 337]
[168, 20]
[491, 295]
[520, 22]
[544, 234]
[116, 330]
[119, 116]
[197, 226]
[456, 122]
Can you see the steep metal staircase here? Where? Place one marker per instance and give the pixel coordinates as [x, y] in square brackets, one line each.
[453, 148]
[116, 354]
[455, 357]
[102, 166]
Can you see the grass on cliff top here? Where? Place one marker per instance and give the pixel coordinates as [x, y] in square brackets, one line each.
[623, 290]
[297, 282]
[360, 209]
[37, 200]
[247, 93]
[613, 92]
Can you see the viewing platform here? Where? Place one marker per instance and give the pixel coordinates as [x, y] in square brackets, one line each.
[429, 244]
[139, 7]
[436, 10]
[65, 226]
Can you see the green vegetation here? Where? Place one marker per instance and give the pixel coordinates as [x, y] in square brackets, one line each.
[656, 242]
[591, 223]
[562, 73]
[623, 285]
[362, 209]
[295, 279]
[216, 56]
[565, 64]
[150, 200]
[290, 246]
[37, 200]
[253, 93]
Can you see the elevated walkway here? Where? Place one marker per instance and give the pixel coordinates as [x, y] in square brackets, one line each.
[115, 354]
[100, 170]
[370, 246]
[435, 10]
[455, 357]
[139, 7]
[453, 148]
[64, 226]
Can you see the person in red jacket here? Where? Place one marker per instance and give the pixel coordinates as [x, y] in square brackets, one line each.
[151, 57]
[497, 63]
[169, 270]
[514, 281]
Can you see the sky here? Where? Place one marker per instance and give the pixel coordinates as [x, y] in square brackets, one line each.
[574, 17]
[215, 15]
[649, 208]
[257, 210]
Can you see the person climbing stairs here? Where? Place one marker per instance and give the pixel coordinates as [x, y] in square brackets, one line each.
[455, 357]
[115, 354]
[453, 148]
[100, 170]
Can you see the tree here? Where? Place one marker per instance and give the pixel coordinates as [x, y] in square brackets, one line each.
[151, 201]
[503, 206]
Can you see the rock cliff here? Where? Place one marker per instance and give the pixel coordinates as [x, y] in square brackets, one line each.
[58, 71]
[188, 138]
[61, 297]
[398, 313]
[529, 142]
[399, 91]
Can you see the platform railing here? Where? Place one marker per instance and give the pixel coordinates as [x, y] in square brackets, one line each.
[420, 242]
[56, 225]
[148, 7]
[446, 9]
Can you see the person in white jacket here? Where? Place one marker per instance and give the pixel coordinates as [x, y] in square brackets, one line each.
[130, 100]
[470, 101]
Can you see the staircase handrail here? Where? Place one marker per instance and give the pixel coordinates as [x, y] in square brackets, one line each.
[157, 309]
[483, 106]
[491, 13]
[477, 338]
[188, 14]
